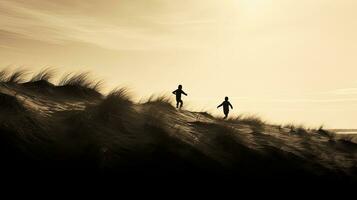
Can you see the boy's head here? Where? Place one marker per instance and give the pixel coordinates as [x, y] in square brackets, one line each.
[226, 98]
[180, 87]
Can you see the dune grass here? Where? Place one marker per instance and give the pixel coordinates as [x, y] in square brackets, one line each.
[117, 104]
[121, 96]
[45, 74]
[206, 114]
[119, 99]
[299, 129]
[16, 76]
[116, 99]
[3, 75]
[164, 100]
[81, 80]
[126, 137]
[71, 85]
[252, 120]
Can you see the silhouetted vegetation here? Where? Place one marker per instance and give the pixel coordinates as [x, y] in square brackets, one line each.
[3, 75]
[80, 80]
[112, 134]
[44, 75]
[252, 120]
[16, 76]
[161, 100]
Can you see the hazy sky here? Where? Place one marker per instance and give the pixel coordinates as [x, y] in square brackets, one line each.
[286, 60]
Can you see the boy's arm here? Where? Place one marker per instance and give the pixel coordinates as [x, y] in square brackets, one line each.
[184, 93]
[174, 92]
[230, 105]
[220, 105]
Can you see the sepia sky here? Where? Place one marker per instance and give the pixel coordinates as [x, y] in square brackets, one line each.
[285, 60]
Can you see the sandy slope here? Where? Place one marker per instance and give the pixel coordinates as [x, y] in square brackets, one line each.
[113, 134]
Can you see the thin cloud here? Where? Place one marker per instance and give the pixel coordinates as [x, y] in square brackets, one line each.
[52, 27]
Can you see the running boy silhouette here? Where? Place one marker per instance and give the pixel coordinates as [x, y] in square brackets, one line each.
[226, 104]
[178, 93]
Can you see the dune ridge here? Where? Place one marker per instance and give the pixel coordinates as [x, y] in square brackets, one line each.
[72, 125]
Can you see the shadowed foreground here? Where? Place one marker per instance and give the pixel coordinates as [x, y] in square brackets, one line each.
[72, 128]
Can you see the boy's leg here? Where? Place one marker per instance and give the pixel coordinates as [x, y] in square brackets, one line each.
[181, 103]
[225, 115]
[177, 103]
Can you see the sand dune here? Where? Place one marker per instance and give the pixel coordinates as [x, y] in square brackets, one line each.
[72, 127]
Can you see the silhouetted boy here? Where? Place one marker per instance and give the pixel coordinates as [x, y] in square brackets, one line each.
[225, 105]
[178, 93]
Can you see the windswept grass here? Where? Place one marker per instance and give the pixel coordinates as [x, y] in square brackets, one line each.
[300, 129]
[3, 75]
[158, 100]
[118, 96]
[116, 103]
[321, 130]
[81, 80]
[113, 133]
[205, 114]
[44, 75]
[252, 120]
[17, 76]
[71, 85]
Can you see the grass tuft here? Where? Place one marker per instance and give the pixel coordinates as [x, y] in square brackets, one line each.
[17, 76]
[81, 80]
[116, 104]
[252, 120]
[45, 74]
[159, 100]
[121, 94]
[3, 75]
